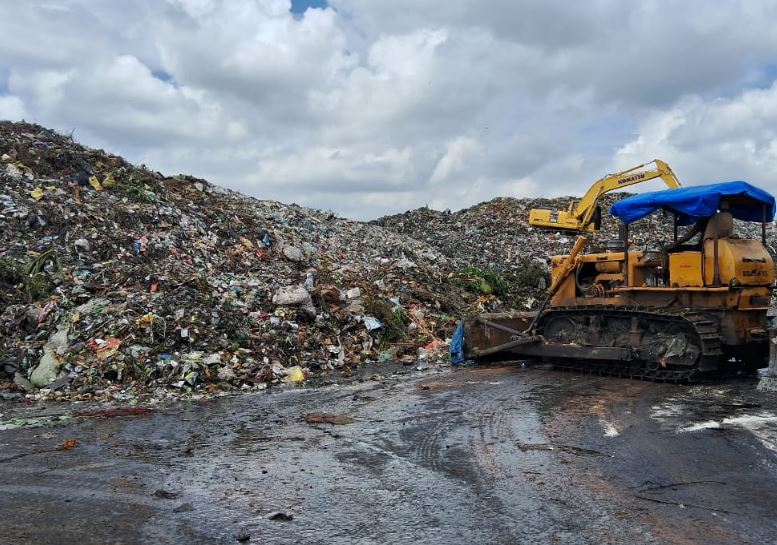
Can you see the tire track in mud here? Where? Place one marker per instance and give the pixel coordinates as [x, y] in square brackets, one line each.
[461, 419]
[500, 414]
[517, 447]
[488, 424]
[439, 442]
[423, 441]
[422, 450]
[481, 446]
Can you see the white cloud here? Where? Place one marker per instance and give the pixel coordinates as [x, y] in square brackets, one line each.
[711, 141]
[339, 169]
[375, 107]
[454, 160]
[12, 107]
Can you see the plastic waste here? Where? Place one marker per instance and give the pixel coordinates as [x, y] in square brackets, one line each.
[371, 323]
[95, 183]
[295, 374]
[457, 345]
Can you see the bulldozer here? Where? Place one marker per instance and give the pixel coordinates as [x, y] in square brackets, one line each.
[687, 308]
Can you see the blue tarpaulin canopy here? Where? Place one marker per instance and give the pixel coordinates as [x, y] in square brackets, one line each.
[745, 202]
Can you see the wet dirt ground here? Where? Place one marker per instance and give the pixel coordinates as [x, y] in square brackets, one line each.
[479, 455]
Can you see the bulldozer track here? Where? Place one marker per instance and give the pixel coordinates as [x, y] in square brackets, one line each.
[707, 332]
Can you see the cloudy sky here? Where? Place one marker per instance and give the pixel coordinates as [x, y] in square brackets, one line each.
[368, 107]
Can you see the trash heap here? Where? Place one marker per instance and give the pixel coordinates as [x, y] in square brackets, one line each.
[117, 278]
[120, 282]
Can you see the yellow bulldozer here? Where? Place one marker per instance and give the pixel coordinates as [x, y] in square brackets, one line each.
[689, 307]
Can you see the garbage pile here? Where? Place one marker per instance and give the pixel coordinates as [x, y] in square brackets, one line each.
[120, 282]
[116, 280]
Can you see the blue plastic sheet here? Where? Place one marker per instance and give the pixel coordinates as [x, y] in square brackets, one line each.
[746, 202]
[457, 345]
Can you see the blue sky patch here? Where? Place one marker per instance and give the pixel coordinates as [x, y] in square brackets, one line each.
[298, 7]
[166, 77]
[605, 134]
[768, 75]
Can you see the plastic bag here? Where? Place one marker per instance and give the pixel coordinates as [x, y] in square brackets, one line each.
[457, 345]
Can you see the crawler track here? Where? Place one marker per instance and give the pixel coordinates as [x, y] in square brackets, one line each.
[699, 355]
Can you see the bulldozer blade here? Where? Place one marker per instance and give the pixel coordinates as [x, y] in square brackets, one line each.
[509, 346]
[487, 334]
[508, 336]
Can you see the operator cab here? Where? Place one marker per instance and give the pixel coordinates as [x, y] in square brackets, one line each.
[708, 254]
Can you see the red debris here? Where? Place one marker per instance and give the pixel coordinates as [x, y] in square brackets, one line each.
[326, 418]
[113, 413]
[67, 444]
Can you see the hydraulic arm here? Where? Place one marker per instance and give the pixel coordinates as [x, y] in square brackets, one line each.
[584, 215]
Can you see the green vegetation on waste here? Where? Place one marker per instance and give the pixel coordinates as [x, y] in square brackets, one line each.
[531, 275]
[394, 319]
[480, 281]
[10, 272]
[39, 276]
[42, 275]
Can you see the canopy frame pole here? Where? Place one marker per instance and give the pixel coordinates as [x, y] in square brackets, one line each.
[763, 225]
[625, 236]
[716, 264]
[704, 263]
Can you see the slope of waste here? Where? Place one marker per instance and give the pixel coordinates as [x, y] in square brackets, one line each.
[116, 278]
[120, 282]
